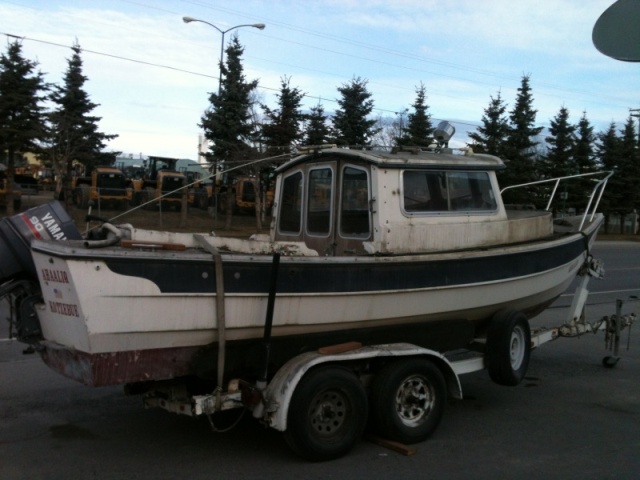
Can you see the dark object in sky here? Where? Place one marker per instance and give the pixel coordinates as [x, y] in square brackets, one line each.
[617, 31]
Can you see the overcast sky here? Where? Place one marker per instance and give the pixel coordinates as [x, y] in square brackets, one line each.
[151, 73]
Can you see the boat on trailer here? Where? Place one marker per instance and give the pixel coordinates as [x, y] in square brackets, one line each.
[413, 248]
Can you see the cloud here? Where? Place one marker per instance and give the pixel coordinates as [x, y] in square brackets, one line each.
[152, 73]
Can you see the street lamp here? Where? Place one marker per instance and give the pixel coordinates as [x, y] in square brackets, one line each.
[259, 26]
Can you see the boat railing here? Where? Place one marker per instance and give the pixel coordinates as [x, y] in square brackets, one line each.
[594, 198]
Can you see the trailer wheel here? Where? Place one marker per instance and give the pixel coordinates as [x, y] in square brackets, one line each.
[508, 347]
[407, 400]
[327, 414]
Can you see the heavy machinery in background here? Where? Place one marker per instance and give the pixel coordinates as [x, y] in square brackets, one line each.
[24, 183]
[200, 190]
[144, 174]
[107, 186]
[45, 177]
[4, 188]
[26, 178]
[244, 195]
[161, 181]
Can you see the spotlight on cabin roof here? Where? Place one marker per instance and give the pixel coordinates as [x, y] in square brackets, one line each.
[443, 133]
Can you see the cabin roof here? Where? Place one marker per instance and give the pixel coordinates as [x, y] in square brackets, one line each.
[408, 158]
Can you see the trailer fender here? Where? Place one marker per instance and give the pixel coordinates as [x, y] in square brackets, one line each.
[278, 393]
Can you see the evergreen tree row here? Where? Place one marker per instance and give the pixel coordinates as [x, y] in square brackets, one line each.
[68, 132]
[62, 135]
[568, 148]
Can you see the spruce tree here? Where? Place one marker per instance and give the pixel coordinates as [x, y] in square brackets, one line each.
[419, 131]
[22, 120]
[282, 127]
[629, 167]
[558, 161]
[584, 158]
[491, 136]
[226, 123]
[608, 154]
[607, 148]
[520, 152]
[619, 154]
[74, 134]
[316, 131]
[584, 155]
[353, 128]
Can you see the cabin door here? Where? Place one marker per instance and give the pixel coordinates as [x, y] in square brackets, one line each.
[353, 212]
[327, 206]
[338, 217]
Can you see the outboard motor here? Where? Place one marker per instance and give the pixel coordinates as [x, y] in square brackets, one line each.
[18, 276]
[47, 222]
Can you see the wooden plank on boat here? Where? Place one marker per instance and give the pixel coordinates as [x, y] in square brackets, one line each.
[152, 245]
[398, 447]
[339, 348]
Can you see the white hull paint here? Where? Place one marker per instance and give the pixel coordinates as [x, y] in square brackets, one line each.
[114, 313]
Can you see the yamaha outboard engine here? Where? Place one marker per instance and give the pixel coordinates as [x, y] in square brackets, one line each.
[18, 276]
[47, 222]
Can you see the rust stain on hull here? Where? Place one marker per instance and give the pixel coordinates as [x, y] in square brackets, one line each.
[116, 368]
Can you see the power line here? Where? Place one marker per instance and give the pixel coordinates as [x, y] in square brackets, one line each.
[375, 48]
[168, 67]
[389, 51]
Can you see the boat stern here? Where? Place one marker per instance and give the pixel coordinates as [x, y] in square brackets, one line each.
[116, 368]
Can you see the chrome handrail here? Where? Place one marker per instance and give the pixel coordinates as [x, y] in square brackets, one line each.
[600, 186]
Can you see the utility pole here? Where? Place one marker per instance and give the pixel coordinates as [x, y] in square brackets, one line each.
[635, 112]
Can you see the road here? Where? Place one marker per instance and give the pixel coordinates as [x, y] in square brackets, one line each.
[570, 418]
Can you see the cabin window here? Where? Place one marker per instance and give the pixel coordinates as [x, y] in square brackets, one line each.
[319, 201]
[290, 204]
[470, 191]
[354, 203]
[432, 191]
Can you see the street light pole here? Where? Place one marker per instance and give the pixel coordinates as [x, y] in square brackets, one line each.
[259, 26]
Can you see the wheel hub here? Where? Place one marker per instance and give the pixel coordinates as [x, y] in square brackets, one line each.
[414, 400]
[517, 348]
[328, 412]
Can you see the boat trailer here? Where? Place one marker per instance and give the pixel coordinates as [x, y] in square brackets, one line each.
[314, 396]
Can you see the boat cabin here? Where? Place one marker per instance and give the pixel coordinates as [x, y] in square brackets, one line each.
[342, 202]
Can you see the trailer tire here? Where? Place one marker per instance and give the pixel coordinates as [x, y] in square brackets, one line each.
[508, 347]
[407, 400]
[327, 414]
